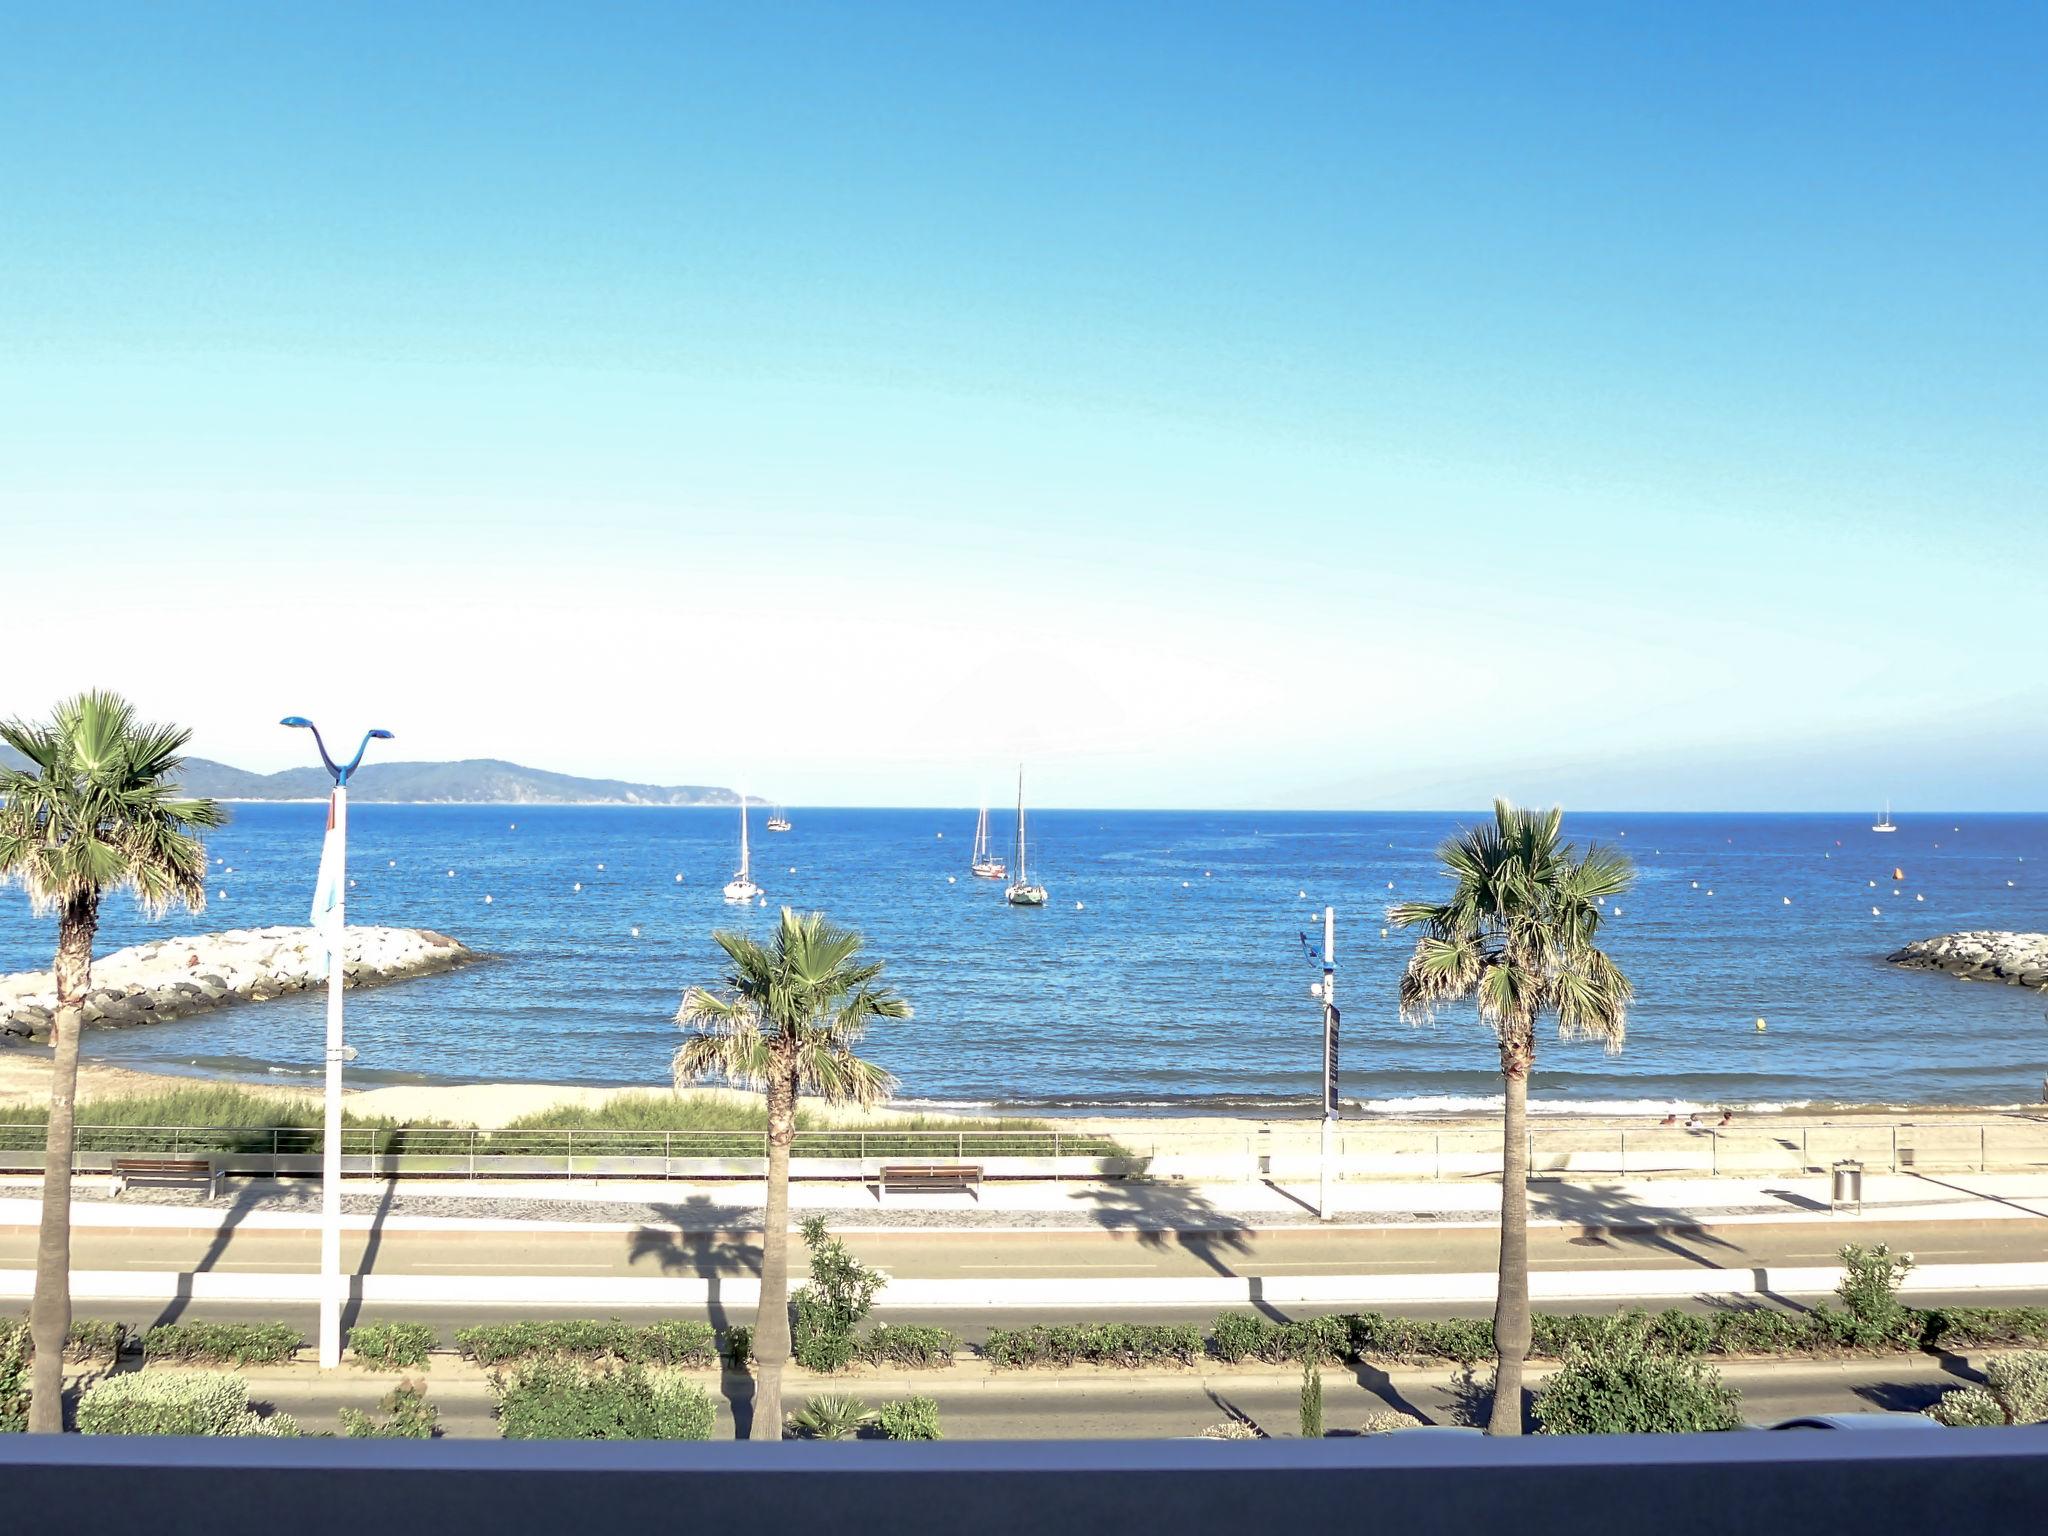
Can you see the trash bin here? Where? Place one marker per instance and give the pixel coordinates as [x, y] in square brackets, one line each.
[1848, 1187]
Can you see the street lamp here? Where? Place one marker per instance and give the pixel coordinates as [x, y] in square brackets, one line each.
[1326, 989]
[330, 923]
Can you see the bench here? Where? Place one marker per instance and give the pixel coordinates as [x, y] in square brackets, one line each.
[167, 1170]
[925, 1178]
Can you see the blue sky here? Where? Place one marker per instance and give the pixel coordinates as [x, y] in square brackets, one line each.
[1217, 405]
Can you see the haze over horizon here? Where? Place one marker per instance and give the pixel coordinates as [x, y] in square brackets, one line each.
[1305, 407]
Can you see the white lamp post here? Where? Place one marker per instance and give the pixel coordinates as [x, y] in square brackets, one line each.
[330, 921]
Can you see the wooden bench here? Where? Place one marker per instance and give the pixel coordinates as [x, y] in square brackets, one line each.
[924, 1178]
[167, 1170]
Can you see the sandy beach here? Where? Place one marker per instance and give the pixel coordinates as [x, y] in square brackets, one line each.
[25, 1072]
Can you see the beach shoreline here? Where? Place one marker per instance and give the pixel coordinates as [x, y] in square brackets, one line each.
[25, 1071]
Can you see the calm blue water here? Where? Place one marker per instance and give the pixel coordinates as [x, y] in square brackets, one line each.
[1181, 981]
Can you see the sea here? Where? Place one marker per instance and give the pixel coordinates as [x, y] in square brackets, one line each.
[1168, 973]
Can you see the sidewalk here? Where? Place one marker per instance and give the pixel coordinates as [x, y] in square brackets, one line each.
[1040, 1205]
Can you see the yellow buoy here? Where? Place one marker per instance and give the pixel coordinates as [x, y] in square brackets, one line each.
[1761, 1026]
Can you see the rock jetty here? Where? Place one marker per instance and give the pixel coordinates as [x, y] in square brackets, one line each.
[169, 978]
[2017, 959]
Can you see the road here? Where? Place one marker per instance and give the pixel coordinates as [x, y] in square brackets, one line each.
[653, 1252]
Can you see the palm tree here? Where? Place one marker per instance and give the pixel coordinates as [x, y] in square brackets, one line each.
[1518, 934]
[786, 1020]
[95, 811]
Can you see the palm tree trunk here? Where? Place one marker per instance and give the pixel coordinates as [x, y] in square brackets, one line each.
[49, 1315]
[1511, 1297]
[771, 1325]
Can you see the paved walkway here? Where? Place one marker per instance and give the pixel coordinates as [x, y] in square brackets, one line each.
[1049, 1205]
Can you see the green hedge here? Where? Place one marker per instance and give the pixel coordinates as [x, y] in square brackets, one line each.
[1125, 1344]
[553, 1398]
[392, 1346]
[409, 1416]
[911, 1345]
[909, 1418]
[673, 1342]
[222, 1343]
[92, 1339]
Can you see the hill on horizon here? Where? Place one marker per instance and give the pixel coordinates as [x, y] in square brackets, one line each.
[473, 781]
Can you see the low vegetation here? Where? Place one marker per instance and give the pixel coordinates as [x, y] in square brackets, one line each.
[407, 1416]
[1620, 1381]
[553, 1398]
[14, 1380]
[1123, 1344]
[909, 1418]
[222, 1343]
[392, 1346]
[1311, 1400]
[175, 1403]
[673, 1342]
[2015, 1392]
[92, 1341]
[829, 1418]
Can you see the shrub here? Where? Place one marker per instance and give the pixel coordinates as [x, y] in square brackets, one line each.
[839, 1294]
[1463, 1340]
[1622, 1382]
[14, 1380]
[411, 1416]
[1311, 1401]
[552, 1398]
[1123, 1344]
[1761, 1331]
[1966, 1327]
[830, 1418]
[909, 1344]
[1968, 1408]
[222, 1343]
[175, 1403]
[672, 1342]
[2020, 1383]
[909, 1418]
[1232, 1429]
[1239, 1336]
[385, 1346]
[1870, 1295]
[1387, 1422]
[739, 1345]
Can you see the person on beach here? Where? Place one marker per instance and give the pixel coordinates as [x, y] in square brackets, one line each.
[1727, 1117]
[1692, 1122]
[1669, 1120]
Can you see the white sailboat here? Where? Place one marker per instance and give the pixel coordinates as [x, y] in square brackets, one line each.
[740, 890]
[983, 862]
[1022, 893]
[777, 821]
[1884, 823]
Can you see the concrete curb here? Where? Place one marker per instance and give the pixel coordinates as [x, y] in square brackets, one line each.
[1052, 1294]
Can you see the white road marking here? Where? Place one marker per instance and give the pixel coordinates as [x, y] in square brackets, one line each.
[1013, 1268]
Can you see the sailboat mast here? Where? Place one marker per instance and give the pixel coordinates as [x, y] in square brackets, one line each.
[1020, 876]
[743, 834]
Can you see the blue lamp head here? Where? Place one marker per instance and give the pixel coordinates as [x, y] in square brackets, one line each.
[380, 735]
[297, 720]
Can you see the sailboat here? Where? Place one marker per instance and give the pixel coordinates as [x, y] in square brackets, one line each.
[985, 864]
[777, 822]
[1022, 893]
[1884, 823]
[740, 890]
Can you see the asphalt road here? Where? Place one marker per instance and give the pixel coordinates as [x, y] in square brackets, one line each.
[655, 1251]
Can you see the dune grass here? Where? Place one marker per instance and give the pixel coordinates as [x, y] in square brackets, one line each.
[220, 1117]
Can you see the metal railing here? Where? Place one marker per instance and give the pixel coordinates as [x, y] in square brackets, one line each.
[1364, 1149]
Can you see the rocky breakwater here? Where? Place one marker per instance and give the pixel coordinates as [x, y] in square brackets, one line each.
[2018, 959]
[168, 978]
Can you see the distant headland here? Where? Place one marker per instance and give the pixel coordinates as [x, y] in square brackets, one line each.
[472, 781]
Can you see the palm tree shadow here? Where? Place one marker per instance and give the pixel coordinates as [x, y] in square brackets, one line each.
[715, 1243]
[246, 1199]
[1172, 1216]
[1611, 1218]
[352, 1306]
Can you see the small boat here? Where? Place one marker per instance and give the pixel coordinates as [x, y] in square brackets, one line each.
[777, 822]
[984, 864]
[740, 890]
[1885, 823]
[1022, 893]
